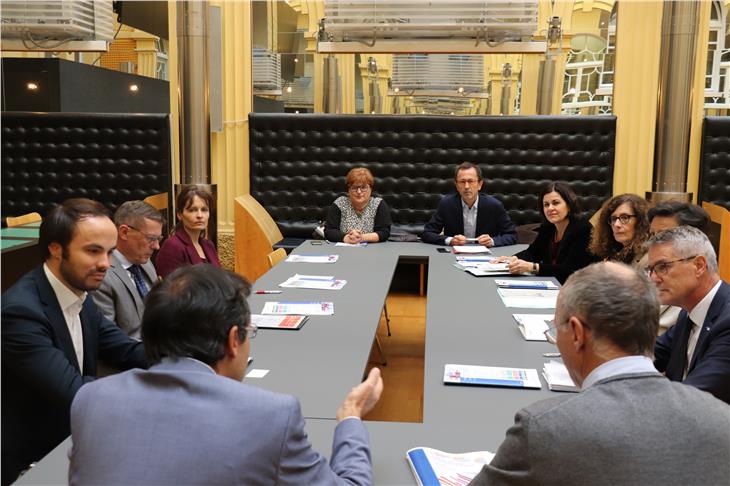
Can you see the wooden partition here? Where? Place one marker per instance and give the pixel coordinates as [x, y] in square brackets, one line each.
[256, 234]
[721, 217]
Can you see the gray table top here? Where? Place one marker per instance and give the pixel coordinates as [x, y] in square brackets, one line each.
[466, 323]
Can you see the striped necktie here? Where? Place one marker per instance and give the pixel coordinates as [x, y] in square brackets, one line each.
[139, 280]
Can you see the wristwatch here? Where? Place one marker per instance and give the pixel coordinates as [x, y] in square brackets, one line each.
[534, 267]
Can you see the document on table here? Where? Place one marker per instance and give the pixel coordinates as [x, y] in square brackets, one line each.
[528, 298]
[457, 374]
[526, 284]
[312, 258]
[342, 243]
[485, 269]
[471, 249]
[299, 308]
[318, 282]
[533, 326]
[278, 322]
[558, 378]
[474, 259]
[435, 467]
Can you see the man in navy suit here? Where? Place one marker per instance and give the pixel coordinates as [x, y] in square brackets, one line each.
[469, 216]
[696, 350]
[52, 333]
[197, 422]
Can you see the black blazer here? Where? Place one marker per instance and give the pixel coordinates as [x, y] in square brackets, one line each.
[573, 252]
[40, 371]
[710, 366]
[492, 219]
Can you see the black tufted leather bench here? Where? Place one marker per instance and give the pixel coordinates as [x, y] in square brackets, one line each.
[299, 162]
[50, 157]
[715, 171]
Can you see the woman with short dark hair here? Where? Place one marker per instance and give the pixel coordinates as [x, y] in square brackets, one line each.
[358, 217]
[561, 246]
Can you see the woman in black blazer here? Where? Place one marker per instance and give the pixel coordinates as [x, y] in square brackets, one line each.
[561, 246]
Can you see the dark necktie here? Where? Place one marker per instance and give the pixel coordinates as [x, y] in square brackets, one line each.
[139, 281]
[678, 361]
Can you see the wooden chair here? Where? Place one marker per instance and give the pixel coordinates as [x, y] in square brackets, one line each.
[276, 256]
[721, 217]
[23, 219]
[256, 234]
[157, 201]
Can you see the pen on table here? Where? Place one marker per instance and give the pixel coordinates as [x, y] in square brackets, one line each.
[551, 355]
[261, 292]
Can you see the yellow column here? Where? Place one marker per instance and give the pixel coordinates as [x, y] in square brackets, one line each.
[698, 100]
[346, 63]
[174, 88]
[229, 148]
[638, 38]
[146, 57]
[530, 78]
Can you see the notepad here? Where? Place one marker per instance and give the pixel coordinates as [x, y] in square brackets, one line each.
[299, 308]
[277, 321]
[318, 282]
[435, 467]
[533, 326]
[557, 377]
[342, 243]
[312, 258]
[526, 284]
[471, 249]
[457, 374]
[528, 298]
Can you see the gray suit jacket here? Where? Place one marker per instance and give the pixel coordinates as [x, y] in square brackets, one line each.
[628, 429]
[180, 423]
[118, 298]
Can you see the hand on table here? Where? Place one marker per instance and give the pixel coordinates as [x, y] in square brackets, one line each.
[458, 240]
[353, 237]
[485, 240]
[520, 266]
[363, 397]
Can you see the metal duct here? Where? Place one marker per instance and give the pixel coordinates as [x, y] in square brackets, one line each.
[676, 72]
[192, 39]
[331, 100]
[546, 81]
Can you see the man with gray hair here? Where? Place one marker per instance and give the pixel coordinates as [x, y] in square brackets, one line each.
[696, 350]
[122, 294]
[628, 424]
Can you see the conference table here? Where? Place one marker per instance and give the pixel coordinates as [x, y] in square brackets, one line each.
[466, 323]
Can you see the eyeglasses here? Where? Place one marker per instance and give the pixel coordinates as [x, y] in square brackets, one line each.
[150, 238]
[623, 218]
[661, 268]
[551, 334]
[465, 182]
[251, 331]
[364, 188]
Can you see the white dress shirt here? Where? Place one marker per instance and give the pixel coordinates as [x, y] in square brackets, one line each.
[70, 304]
[619, 366]
[698, 314]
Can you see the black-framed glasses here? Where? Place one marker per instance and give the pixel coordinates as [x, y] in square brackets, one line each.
[150, 238]
[623, 218]
[364, 188]
[661, 268]
[251, 331]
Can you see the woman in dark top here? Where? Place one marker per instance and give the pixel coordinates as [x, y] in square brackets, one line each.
[622, 230]
[359, 217]
[187, 245]
[561, 246]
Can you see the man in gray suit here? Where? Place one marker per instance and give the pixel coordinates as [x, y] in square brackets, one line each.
[190, 420]
[131, 275]
[629, 424]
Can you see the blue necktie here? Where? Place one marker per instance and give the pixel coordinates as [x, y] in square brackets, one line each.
[139, 280]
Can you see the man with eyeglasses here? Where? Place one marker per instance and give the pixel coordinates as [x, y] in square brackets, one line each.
[131, 275]
[190, 420]
[628, 424]
[696, 350]
[469, 216]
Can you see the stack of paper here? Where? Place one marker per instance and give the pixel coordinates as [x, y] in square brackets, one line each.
[471, 249]
[455, 374]
[533, 326]
[342, 243]
[557, 377]
[528, 298]
[434, 467]
[312, 258]
[318, 282]
[526, 284]
[278, 322]
[299, 308]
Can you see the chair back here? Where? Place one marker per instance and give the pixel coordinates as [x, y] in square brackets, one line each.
[23, 219]
[276, 256]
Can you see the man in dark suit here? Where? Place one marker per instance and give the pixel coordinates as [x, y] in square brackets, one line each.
[628, 424]
[197, 421]
[131, 275]
[696, 350]
[469, 216]
[52, 333]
